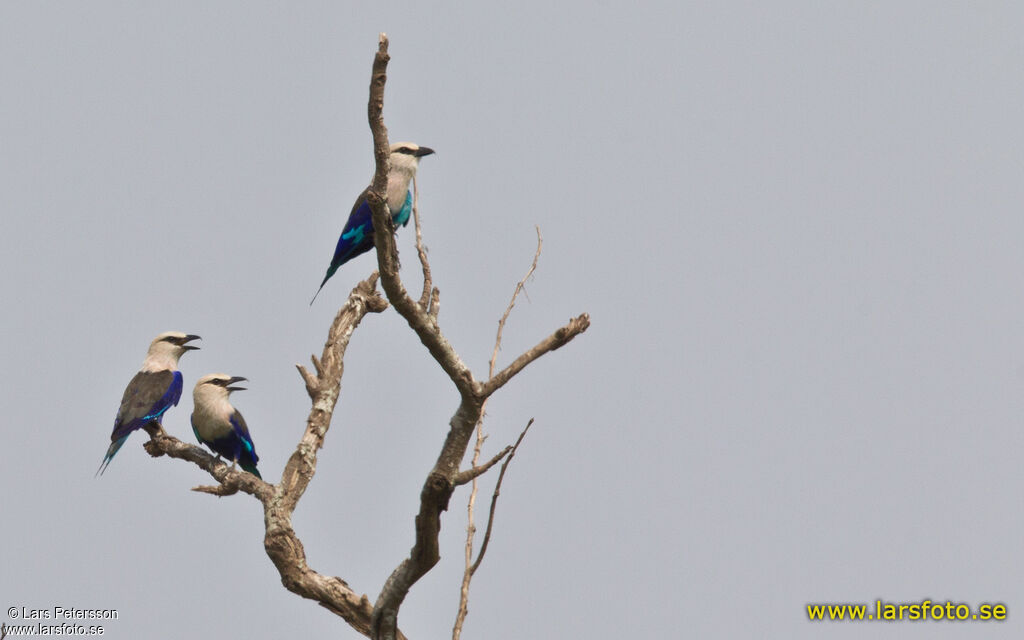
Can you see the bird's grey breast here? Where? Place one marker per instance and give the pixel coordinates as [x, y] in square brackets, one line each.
[211, 422]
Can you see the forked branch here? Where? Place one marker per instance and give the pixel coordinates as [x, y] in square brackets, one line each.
[442, 479]
[281, 542]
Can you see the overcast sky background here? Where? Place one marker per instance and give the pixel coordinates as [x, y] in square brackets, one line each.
[796, 226]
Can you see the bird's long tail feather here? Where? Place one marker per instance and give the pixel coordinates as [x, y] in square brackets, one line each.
[316, 294]
[111, 452]
[330, 272]
[251, 468]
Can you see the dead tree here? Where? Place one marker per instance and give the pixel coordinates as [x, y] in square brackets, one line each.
[378, 620]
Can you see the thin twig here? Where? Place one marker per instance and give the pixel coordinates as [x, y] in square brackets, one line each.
[467, 574]
[511, 303]
[475, 471]
[494, 498]
[428, 283]
[471, 566]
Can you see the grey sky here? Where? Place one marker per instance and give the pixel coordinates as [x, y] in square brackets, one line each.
[796, 227]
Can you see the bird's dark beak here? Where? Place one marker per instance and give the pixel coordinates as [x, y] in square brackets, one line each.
[233, 380]
[423, 151]
[188, 347]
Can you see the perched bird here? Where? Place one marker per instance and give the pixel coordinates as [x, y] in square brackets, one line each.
[220, 426]
[357, 236]
[154, 389]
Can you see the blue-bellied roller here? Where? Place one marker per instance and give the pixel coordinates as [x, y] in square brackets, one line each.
[357, 236]
[154, 389]
[219, 425]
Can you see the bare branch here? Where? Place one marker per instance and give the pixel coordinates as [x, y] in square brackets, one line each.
[477, 471]
[556, 340]
[511, 303]
[281, 542]
[437, 490]
[375, 113]
[428, 283]
[467, 575]
[439, 484]
[418, 319]
[219, 490]
[161, 444]
[302, 465]
[494, 498]
[310, 380]
[471, 567]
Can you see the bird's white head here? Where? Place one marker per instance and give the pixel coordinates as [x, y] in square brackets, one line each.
[219, 383]
[405, 159]
[408, 154]
[211, 392]
[165, 350]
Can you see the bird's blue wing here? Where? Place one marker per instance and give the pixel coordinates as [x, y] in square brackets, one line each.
[242, 431]
[247, 457]
[357, 236]
[147, 397]
[174, 392]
